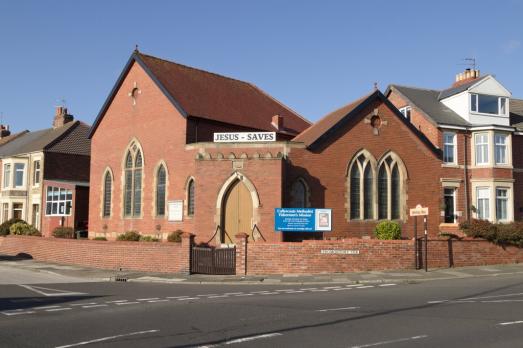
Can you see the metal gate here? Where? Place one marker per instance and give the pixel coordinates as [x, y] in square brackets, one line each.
[209, 260]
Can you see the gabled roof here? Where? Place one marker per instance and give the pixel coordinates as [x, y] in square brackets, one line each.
[516, 113]
[326, 126]
[427, 101]
[202, 94]
[12, 137]
[461, 88]
[50, 139]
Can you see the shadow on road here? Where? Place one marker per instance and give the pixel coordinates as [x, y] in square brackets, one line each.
[11, 303]
[18, 257]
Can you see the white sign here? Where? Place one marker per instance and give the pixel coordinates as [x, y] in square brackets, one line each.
[323, 219]
[175, 209]
[245, 137]
[419, 211]
[338, 251]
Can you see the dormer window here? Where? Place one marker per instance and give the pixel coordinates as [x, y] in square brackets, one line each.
[406, 112]
[488, 104]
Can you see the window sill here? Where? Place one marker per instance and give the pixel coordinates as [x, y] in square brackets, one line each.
[476, 113]
[450, 165]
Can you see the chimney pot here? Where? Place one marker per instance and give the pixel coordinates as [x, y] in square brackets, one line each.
[61, 117]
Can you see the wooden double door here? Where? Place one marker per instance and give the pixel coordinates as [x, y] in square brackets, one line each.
[237, 212]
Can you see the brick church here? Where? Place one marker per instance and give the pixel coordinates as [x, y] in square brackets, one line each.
[155, 167]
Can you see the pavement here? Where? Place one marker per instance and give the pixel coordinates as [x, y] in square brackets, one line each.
[13, 273]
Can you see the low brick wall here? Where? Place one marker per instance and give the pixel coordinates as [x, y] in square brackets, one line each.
[135, 256]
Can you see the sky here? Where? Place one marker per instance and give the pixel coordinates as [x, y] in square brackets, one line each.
[314, 56]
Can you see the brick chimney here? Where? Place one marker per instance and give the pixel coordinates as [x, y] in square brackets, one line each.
[466, 76]
[61, 117]
[277, 122]
[4, 131]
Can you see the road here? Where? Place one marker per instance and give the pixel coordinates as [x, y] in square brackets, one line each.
[473, 312]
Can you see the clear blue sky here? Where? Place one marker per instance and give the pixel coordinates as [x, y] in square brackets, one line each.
[313, 56]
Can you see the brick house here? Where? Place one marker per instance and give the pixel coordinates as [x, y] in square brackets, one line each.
[45, 175]
[155, 167]
[477, 126]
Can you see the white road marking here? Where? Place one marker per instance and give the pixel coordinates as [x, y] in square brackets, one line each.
[309, 289]
[84, 304]
[58, 309]
[391, 341]
[500, 301]
[217, 296]
[352, 285]
[438, 301]
[147, 299]
[55, 292]
[259, 292]
[332, 287]
[175, 297]
[270, 293]
[384, 285]
[294, 291]
[154, 301]
[46, 307]
[241, 295]
[191, 298]
[319, 290]
[125, 303]
[233, 293]
[511, 322]
[342, 289]
[196, 295]
[241, 340]
[107, 338]
[493, 296]
[17, 313]
[95, 305]
[336, 309]
[116, 301]
[365, 287]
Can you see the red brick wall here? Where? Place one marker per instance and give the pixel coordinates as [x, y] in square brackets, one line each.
[325, 170]
[136, 256]
[374, 255]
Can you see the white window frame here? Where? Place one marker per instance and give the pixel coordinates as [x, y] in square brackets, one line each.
[475, 97]
[505, 145]
[454, 145]
[6, 182]
[35, 171]
[22, 210]
[492, 185]
[476, 144]
[15, 172]
[58, 201]
[455, 203]
[506, 198]
[406, 111]
[485, 214]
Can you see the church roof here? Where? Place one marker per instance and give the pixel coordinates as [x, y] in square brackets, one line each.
[202, 94]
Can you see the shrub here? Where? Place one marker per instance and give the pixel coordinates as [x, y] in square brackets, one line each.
[175, 237]
[63, 232]
[388, 230]
[502, 234]
[130, 236]
[22, 228]
[100, 238]
[5, 227]
[148, 239]
[479, 229]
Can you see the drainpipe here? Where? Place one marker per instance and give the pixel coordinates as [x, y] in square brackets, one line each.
[465, 172]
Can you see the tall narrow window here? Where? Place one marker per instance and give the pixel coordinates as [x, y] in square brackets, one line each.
[108, 184]
[368, 202]
[500, 147]
[5, 212]
[449, 147]
[160, 191]
[190, 198]
[298, 194]
[483, 206]
[395, 193]
[19, 174]
[133, 182]
[7, 175]
[501, 204]
[449, 198]
[383, 189]
[36, 174]
[355, 192]
[481, 147]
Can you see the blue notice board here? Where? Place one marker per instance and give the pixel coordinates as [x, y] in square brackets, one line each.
[302, 219]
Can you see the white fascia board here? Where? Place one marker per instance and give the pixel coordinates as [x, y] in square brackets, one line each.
[506, 93]
[447, 126]
[480, 128]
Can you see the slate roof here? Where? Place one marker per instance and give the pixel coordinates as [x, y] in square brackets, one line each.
[428, 102]
[461, 88]
[199, 93]
[47, 139]
[11, 137]
[516, 113]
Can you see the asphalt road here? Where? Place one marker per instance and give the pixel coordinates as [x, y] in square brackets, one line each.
[472, 312]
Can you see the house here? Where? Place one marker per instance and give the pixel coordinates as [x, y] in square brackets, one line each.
[477, 125]
[45, 175]
[164, 157]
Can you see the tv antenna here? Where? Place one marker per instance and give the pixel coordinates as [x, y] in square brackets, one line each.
[62, 102]
[471, 62]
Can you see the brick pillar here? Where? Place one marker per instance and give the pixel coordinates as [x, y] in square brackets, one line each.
[187, 242]
[241, 253]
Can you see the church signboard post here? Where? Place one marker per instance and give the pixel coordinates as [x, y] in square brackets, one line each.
[420, 211]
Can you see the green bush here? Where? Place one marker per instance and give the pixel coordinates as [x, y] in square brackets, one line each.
[22, 228]
[175, 237]
[5, 227]
[502, 234]
[130, 236]
[63, 232]
[148, 239]
[100, 238]
[388, 230]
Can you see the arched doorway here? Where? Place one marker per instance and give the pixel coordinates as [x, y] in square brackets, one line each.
[237, 212]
